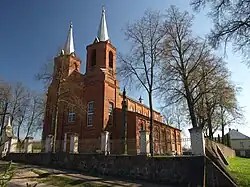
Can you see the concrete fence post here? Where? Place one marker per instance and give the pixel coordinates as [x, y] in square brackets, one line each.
[48, 143]
[74, 143]
[144, 143]
[65, 142]
[12, 145]
[105, 142]
[197, 141]
[28, 145]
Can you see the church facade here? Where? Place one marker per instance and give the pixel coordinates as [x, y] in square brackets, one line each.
[88, 104]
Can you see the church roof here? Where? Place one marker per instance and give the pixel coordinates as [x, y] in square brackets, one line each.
[102, 34]
[141, 104]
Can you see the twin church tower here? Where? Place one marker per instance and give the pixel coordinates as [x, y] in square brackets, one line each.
[86, 105]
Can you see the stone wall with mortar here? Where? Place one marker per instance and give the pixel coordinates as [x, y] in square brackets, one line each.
[176, 171]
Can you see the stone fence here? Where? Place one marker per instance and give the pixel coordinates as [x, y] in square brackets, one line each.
[176, 171]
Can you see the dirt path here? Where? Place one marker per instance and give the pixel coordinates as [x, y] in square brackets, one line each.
[22, 177]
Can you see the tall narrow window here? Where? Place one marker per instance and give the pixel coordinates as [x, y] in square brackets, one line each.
[111, 56]
[93, 57]
[111, 108]
[90, 113]
[71, 115]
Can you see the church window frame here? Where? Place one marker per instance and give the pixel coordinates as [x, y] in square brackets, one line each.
[111, 109]
[90, 113]
[111, 59]
[71, 115]
[93, 57]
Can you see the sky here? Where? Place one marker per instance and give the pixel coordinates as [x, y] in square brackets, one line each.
[32, 33]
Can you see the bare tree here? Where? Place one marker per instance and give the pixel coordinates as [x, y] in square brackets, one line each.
[231, 22]
[45, 74]
[29, 119]
[54, 78]
[210, 86]
[176, 115]
[5, 94]
[228, 108]
[21, 104]
[184, 56]
[190, 69]
[142, 62]
[18, 98]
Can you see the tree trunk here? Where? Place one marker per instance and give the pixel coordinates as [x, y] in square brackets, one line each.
[151, 124]
[222, 126]
[18, 133]
[3, 118]
[210, 129]
[223, 133]
[190, 104]
[56, 116]
[191, 111]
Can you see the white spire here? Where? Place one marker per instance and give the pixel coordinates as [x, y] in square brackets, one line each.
[69, 44]
[102, 34]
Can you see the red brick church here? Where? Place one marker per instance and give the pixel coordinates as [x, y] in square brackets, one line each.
[88, 104]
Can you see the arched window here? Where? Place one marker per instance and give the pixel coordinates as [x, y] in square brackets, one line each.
[93, 57]
[111, 56]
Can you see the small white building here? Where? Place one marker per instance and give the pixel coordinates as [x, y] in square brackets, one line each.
[239, 142]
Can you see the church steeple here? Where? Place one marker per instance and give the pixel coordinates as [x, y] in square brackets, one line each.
[101, 54]
[102, 34]
[69, 44]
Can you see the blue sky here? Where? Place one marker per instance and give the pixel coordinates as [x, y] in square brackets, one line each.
[33, 31]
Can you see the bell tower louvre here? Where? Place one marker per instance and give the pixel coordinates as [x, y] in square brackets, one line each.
[97, 103]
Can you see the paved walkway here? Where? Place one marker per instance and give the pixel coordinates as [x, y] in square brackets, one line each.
[24, 174]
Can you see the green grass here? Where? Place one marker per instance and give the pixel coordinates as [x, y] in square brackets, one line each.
[67, 182]
[240, 170]
[62, 181]
[6, 173]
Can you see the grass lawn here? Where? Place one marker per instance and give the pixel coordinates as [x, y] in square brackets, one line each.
[63, 181]
[240, 170]
[67, 182]
[6, 173]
